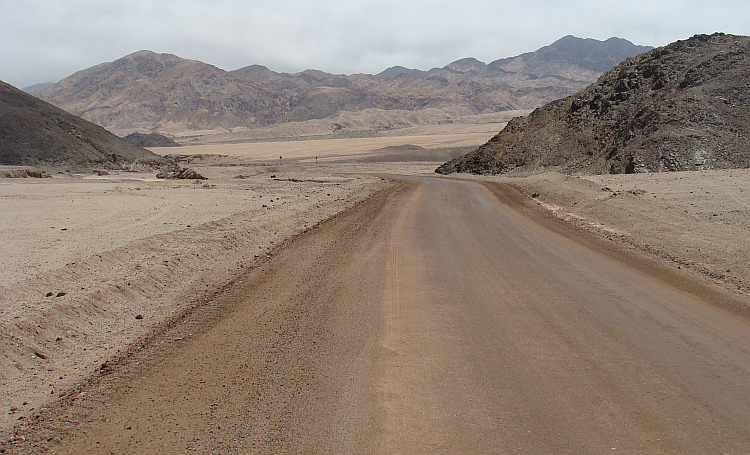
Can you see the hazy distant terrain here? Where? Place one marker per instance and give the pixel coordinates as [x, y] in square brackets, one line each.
[679, 107]
[149, 92]
[35, 87]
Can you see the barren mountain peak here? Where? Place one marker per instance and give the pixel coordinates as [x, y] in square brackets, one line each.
[466, 64]
[143, 53]
[315, 73]
[162, 58]
[572, 57]
[257, 68]
[402, 70]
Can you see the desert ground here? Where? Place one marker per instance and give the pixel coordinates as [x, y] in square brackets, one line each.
[96, 268]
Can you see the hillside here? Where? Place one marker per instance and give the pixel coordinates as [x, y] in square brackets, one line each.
[163, 93]
[146, 91]
[150, 140]
[33, 132]
[679, 107]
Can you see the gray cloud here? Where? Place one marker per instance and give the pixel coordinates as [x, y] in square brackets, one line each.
[46, 40]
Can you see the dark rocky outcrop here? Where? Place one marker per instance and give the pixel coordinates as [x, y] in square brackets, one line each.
[151, 140]
[684, 106]
[179, 173]
[24, 173]
[36, 133]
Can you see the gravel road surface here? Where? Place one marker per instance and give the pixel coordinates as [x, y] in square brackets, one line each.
[439, 316]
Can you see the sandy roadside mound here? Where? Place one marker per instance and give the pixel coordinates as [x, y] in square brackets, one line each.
[90, 265]
[697, 220]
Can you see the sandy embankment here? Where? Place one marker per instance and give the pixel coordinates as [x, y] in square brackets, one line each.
[90, 266]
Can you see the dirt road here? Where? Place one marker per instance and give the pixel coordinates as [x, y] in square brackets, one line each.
[437, 317]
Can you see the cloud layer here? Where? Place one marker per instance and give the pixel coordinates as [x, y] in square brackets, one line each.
[46, 40]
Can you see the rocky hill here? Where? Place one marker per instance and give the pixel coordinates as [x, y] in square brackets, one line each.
[166, 94]
[150, 140]
[396, 70]
[34, 133]
[146, 91]
[684, 106]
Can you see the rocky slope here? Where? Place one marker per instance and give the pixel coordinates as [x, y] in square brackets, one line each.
[146, 91]
[151, 140]
[33, 132]
[166, 94]
[679, 107]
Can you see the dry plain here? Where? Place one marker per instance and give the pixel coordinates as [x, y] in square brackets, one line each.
[96, 266]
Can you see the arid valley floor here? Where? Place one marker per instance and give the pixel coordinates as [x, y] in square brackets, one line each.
[106, 280]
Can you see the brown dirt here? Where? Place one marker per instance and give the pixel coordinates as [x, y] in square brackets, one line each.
[431, 318]
[83, 258]
[370, 332]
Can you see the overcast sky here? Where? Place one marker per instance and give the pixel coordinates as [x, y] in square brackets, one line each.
[47, 40]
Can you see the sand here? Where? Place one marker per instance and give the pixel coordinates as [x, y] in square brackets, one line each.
[92, 265]
[338, 148]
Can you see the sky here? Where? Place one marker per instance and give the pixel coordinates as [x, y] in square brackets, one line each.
[48, 40]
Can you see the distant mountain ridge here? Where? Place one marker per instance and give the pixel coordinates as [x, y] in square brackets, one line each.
[587, 54]
[35, 87]
[149, 92]
[396, 70]
[684, 106]
[573, 57]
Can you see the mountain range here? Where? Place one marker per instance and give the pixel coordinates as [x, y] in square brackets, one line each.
[150, 92]
[684, 106]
